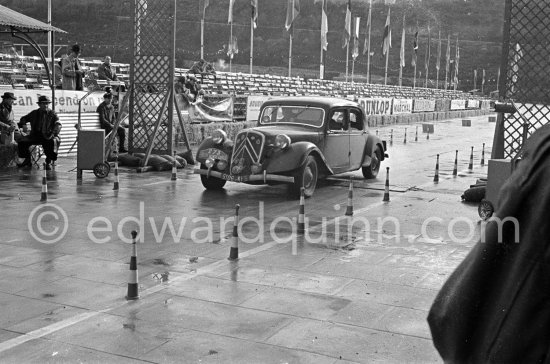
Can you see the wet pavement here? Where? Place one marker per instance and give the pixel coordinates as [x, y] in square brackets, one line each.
[334, 296]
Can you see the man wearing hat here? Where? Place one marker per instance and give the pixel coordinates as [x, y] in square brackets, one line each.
[107, 119]
[45, 129]
[7, 123]
[72, 70]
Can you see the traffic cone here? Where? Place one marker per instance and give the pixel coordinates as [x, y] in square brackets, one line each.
[416, 134]
[116, 186]
[391, 137]
[436, 176]
[44, 195]
[471, 165]
[455, 169]
[174, 169]
[387, 188]
[405, 140]
[234, 251]
[133, 285]
[349, 208]
[301, 213]
[483, 155]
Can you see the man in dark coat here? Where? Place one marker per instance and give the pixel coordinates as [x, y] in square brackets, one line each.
[495, 307]
[7, 123]
[107, 119]
[45, 129]
[105, 72]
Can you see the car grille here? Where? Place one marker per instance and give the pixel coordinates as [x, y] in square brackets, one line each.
[247, 151]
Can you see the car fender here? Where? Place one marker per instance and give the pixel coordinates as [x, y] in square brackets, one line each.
[226, 147]
[293, 157]
[373, 142]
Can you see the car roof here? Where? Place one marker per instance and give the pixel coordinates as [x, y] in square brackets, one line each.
[318, 101]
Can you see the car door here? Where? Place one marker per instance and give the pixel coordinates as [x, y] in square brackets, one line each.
[357, 138]
[336, 146]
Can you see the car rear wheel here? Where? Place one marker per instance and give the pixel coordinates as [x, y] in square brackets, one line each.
[211, 183]
[371, 171]
[306, 177]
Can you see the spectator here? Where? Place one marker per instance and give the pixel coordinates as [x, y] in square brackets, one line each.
[72, 70]
[7, 123]
[203, 68]
[45, 129]
[189, 86]
[105, 72]
[107, 120]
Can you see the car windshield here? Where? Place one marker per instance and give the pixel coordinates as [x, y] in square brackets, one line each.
[303, 115]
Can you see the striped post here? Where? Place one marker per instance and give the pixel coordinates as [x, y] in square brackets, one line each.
[455, 169]
[174, 169]
[416, 134]
[387, 188]
[44, 195]
[234, 251]
[116, 185]
[483, 155]
[301, 213]
[133, 285]
[471, 165]
[405, 139]
[349, 208]
[391, 137]
[436, 176]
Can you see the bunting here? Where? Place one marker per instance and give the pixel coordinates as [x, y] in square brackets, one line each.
[457, 59]
[230, 16]
[438, 62]
[324, 26]
[355, 51]
[254, 12]
[386, 45]
[347, 26]
[402, 53]
[483, 77]
[415, 48]
[448, 56]
[367, 32]
[292, 11]
[428, 52]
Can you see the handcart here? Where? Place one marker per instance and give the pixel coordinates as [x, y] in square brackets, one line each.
[500, 169]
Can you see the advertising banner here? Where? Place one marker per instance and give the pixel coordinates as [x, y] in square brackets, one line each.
[376, 106]
[423, 105]
[473, 104]
[66, 101]
[458, 104]
[402, 106]
[253, 104]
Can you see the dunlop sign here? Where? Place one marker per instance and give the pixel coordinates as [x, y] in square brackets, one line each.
[253, 104]
[376, 106]
[402, 106]
[423, 105]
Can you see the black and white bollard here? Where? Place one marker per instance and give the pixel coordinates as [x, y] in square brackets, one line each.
[44, 194]
[133, 284]
[234, 251]
[471, 164]
[455, 169]
[387, 187]
[349, 208]
[436, 176]
[301, 213]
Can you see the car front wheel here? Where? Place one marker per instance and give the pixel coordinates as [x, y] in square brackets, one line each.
[211, 183]
[306, 177]
[371, 171]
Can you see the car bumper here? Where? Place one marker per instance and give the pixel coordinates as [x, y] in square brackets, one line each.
[265, 177]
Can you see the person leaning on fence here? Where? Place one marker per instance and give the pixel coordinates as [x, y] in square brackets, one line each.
[7, 123]
[45, 129]
[71, 68]
[107, 119]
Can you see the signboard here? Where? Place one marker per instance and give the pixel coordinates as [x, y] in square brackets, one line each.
[423, 105]
[66, 101]
[402, 106]
[376, 106]
[458, 104]
[473, 104]
[253, 104]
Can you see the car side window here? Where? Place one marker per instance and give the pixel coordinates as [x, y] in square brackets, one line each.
[356, 123]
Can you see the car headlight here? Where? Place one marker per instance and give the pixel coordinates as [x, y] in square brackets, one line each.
[209, 163]
[282, 141]
[221, 165]
[219, 136]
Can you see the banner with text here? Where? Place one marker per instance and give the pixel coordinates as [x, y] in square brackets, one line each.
[472, 104]
[402, 106]
[458, 104]
[423, 105]
[376, 106]
[253, 104]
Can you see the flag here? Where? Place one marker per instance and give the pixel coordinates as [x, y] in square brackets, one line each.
[428, 52]
[457, 59]
[402, 53]
[367, 33]
[254, 12]
[204, 6]
[483, 77]
[475, 76]
[347, 26]
[292, 11]
[233, 47]
[448, 55]
[438, 63]
[324, 26]
[355, 51]
[386, 45]
[415, 48]
[230, 16]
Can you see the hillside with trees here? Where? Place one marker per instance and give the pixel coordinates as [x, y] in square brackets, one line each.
[105, 27]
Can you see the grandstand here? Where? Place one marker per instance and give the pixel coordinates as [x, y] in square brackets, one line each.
[27, 72]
